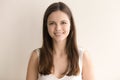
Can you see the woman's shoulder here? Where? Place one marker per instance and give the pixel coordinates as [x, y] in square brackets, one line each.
[36, 51]
[81, 51]
[35, 54]
[88, 67]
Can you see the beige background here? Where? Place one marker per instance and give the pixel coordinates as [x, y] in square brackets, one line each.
[98, 30]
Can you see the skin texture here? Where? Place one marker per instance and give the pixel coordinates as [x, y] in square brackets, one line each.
[58, 28]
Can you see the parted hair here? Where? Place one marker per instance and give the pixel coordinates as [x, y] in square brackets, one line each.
[46, 51]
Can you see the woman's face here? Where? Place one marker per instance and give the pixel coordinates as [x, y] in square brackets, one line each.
[58, 25]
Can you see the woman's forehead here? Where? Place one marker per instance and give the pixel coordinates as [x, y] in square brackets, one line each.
[58, 15]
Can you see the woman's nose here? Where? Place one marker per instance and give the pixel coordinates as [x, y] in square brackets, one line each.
[58, 27]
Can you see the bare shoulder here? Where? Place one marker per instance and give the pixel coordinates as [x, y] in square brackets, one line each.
[87, 61]
[33, 58]
[88, 73]
[86, 56]
[34, 54]
[32, 70]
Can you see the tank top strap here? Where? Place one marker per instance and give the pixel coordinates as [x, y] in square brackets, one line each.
[81, 51]
[37, 52]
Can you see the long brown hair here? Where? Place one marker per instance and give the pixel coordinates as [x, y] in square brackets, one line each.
[46, 51]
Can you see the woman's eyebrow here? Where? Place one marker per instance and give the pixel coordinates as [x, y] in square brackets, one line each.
[51, 21]
[60, 20]
[65, 20]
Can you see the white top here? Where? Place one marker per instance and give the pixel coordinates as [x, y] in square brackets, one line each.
[53, 77]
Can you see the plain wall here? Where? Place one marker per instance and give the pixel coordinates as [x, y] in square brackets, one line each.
[98, 30]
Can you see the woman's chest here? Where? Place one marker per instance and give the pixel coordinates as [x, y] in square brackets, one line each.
[60, 65]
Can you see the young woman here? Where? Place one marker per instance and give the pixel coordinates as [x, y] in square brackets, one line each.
[59, 57]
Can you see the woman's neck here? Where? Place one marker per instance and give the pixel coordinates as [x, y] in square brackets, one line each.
[59, 47]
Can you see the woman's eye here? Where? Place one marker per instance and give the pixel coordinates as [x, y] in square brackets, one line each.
[63, 23]
[51, 23]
